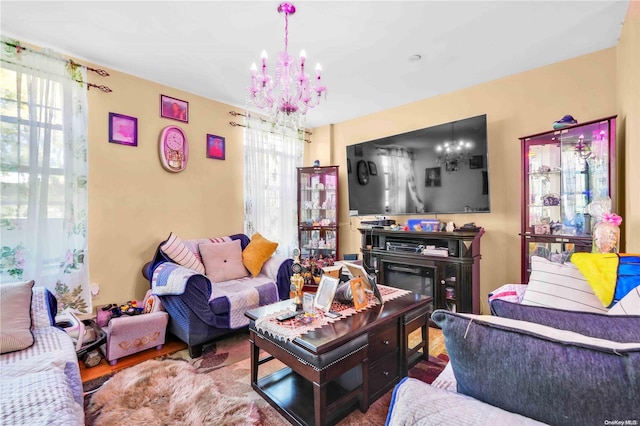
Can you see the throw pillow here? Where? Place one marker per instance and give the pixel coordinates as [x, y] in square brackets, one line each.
[15, 316]
[550, 375]
[560, 286]
[628, 305]
[624, 328]
[257, 253]
[175, 250]
[223, 261]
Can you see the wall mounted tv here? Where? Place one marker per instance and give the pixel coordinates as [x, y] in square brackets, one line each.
[409, 173]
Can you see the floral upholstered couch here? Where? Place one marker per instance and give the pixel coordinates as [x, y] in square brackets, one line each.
[40, 380]
[550, 353]
[206, 285]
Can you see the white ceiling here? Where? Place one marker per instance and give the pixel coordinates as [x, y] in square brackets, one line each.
[207, 47]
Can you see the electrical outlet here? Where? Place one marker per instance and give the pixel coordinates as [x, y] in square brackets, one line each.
[95, 289]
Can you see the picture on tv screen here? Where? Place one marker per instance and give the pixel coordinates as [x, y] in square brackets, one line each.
[439, 169]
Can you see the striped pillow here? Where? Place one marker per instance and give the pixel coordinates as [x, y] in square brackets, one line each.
[628, 305]
[175, 249]
[15, 316]
[560, 286]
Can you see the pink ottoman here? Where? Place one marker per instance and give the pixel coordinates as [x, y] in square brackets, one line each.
[128, 335]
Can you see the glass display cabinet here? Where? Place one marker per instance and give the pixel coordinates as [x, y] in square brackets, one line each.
[318, 211]
[563, 171]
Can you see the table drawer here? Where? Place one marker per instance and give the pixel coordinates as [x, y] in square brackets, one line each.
[383, 342]
[383, 373]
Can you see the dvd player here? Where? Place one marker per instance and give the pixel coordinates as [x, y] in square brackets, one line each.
[406, 247]
[380, 222]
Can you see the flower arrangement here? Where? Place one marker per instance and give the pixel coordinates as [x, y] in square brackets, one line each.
[312, 268]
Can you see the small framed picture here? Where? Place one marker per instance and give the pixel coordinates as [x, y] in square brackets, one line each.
[358, 150]
[359, 294]
[476, 162]
[215, 147]
[348, 166]
[326, 290]
[451, 166]
[433, 176]
[174, 109]
[123, 129]
[542, 229]
[373, 170]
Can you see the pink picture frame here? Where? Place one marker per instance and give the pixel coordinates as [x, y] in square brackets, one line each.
[173, 108]
[123, 129]
[216, 147]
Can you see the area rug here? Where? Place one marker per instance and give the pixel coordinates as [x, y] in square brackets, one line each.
[146, 392]
[167, 392]
[218, 354]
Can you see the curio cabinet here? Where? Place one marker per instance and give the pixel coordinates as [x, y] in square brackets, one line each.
[563, 172]
[318, 212]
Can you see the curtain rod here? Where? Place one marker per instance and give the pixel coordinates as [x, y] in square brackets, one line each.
[71, 63]
[234, 124]
[101, 87]
[235, 114]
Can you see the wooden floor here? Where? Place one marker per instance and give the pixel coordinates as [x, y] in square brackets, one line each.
[173, 344]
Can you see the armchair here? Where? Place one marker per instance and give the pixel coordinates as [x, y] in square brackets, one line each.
[204, 306]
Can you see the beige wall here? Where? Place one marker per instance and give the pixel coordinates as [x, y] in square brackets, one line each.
[628, 66]
[134, 203]
[516, 106]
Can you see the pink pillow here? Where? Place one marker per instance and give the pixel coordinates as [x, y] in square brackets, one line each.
[223, 261]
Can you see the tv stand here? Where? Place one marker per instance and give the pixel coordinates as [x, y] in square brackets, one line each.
[451, 274]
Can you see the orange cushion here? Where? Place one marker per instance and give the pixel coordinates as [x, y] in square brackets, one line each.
[257, 253]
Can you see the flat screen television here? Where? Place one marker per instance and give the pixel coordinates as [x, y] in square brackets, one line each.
[438, 169]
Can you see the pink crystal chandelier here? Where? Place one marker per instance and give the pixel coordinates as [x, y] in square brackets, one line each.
[290, 93]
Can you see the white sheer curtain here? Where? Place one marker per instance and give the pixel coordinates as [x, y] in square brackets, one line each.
[271, 156]
[401, 180]
[43, 174]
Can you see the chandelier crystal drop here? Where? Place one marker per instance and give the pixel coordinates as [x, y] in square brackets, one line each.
[452, 154]
[290, 93]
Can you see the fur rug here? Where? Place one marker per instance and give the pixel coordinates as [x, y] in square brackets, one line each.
[215, 389]
[169, 392]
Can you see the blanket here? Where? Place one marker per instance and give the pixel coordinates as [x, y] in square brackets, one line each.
[242, 294]
[170, 278]
[611, 275]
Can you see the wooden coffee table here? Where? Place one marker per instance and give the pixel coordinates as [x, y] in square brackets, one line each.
[343, 365]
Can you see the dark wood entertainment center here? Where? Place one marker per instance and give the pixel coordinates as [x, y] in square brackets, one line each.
[452, 280]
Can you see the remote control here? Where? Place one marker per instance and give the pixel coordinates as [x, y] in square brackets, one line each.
[332, 314]
[285, 317]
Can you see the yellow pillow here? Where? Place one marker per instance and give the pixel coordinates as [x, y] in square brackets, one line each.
[257, 252]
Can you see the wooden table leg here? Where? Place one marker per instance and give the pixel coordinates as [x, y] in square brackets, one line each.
[255, 356]
[320, 403]
[364, 399]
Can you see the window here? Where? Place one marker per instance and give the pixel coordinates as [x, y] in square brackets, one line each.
[43, 176]
[271, 159]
